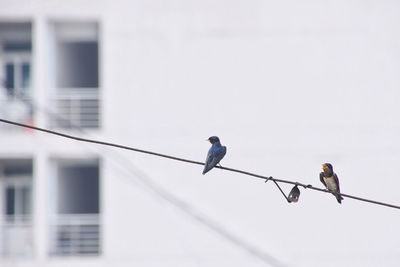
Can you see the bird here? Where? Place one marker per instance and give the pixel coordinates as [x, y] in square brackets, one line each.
[215, 154]
[294, 194]
[330, 180]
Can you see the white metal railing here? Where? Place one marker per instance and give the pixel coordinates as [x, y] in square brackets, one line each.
[16, 236]
[76, 108]
[75, 235]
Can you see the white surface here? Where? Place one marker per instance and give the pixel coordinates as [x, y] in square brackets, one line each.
[286, 85]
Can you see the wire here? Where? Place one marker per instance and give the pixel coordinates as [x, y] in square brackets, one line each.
[178, 203]
[197, 163]
[280, 189]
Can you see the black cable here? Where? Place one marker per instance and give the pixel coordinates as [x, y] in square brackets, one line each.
[183, 206]
[280, 189]
[196, 162]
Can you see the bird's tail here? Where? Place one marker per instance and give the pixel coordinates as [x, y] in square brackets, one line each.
[207, 167]
[339, 198]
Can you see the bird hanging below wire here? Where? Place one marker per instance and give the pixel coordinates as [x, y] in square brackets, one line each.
[215, 154]
[294, 195]
[330, 180]
[259, 176]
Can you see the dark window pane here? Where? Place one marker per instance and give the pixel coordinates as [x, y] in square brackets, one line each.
[77, 65]
[16, 47]
[10, 201]
[10, 78]
[26, 200]
[19, 169]
[78, 190]
[26, 75]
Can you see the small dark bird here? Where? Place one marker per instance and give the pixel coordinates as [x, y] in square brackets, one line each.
[215, 154]
[294, 194]
[330, 181]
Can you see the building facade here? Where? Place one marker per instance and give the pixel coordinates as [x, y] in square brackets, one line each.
[286, 85]
[66, 99]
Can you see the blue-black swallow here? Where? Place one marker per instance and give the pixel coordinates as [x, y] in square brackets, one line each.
[215, 154]
[330, 180]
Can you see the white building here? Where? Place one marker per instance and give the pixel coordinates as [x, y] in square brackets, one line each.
[286, 85]
[70, 206]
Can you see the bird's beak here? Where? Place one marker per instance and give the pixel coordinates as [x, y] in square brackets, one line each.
[324, 166]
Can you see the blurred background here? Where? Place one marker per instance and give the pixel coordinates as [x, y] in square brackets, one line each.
[286, 85]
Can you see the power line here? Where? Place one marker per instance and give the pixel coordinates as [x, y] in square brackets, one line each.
[190, 211]
[178, 203]
[266, 178]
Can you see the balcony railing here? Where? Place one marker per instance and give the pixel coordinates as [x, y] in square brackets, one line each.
[75, 235]
[76, 108]
[16, 236]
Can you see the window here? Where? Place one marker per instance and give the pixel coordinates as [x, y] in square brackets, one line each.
[18, 202]
[76, 58]
[75, 228]
[75, 63]
[81, 182]
[16, 211]
[15, 71]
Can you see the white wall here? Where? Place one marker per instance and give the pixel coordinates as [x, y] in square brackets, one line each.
[287, 85]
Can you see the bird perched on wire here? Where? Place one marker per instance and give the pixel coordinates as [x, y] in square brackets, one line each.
[215, 154]
[330, 181]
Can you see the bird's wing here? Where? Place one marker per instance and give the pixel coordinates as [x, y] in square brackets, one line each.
[220, 153]
[321, 178]
[215, 154]
[338, 197]
[337, 181]
[223, 152]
